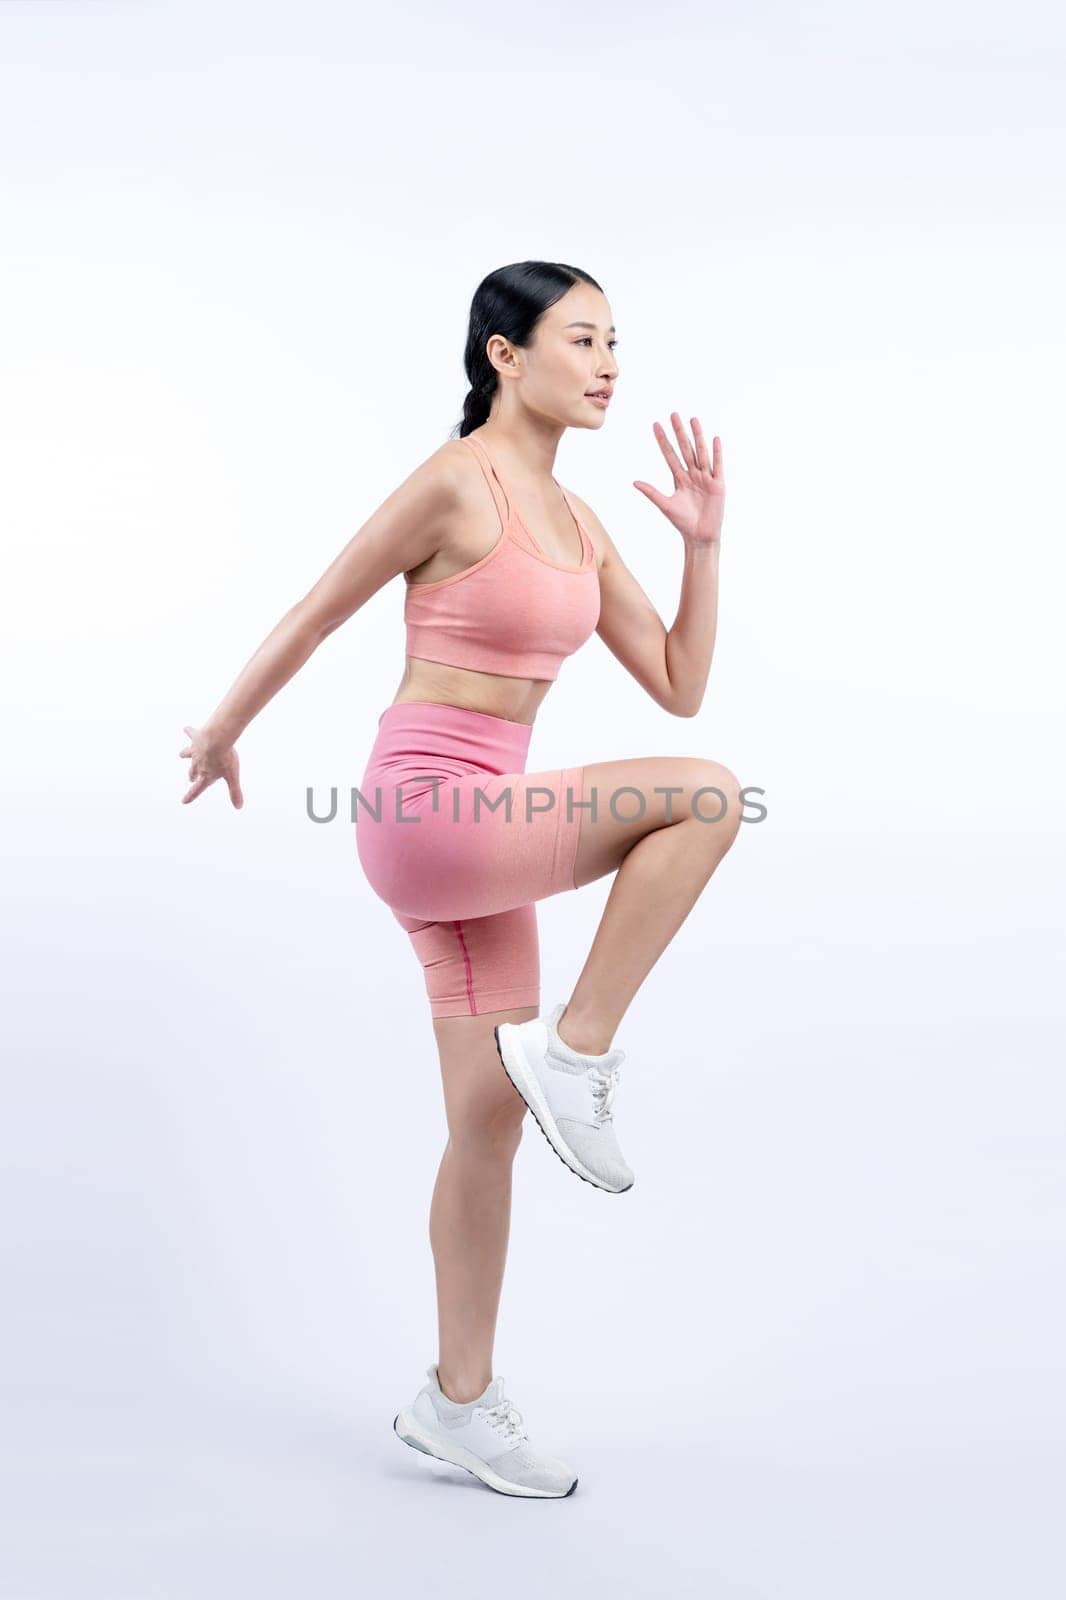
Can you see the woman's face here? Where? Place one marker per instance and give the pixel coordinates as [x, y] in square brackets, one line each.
[571, 353]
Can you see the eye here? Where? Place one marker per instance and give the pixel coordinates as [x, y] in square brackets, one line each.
[587, 339]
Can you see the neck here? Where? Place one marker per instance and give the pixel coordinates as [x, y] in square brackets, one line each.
[525, 451]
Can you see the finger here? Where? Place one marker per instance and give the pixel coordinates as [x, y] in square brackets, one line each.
[190, 794]
[652, 493]
[683, 440]
[701, 445]
[672, 460]
[717, 456]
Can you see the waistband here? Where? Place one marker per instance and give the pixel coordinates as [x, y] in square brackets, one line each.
[416, 728]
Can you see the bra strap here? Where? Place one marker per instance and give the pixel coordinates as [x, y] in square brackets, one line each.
[492, 477]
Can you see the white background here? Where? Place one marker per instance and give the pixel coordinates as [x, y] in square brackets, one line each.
[816, 1350]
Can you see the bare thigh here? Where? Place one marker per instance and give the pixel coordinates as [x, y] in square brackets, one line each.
[480, 1102]
[652, 792]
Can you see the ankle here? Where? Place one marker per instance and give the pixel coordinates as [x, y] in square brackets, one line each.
[584, 1033]
[459, 1388]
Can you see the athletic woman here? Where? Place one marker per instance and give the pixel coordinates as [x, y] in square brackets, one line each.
[506, 575]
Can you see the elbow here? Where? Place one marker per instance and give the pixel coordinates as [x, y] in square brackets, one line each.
[678, 704]
[313, 622]
[680, 699]
[680, 708]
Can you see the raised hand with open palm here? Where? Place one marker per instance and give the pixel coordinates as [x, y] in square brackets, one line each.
[697, 505]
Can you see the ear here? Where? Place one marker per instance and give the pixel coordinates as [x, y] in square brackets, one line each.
[503, 354]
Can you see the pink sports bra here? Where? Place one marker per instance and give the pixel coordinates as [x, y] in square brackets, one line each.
[515, 611]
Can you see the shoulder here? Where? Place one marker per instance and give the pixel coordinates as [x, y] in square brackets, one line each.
[446, 467]
[443, 484]
[601, 539]
[455, 467]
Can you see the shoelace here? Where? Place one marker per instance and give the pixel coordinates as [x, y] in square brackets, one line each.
[603, 1085]
[505, 1417]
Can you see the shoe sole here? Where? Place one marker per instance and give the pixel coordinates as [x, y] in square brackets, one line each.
[408, 1428]
[527, 1086]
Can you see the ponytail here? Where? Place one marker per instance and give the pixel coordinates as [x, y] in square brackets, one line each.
[510, 301]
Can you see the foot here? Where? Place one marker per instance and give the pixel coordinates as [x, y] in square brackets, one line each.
[570, 1095]
[486, 1436]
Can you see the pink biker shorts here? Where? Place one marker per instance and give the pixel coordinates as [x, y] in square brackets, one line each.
[460, 841]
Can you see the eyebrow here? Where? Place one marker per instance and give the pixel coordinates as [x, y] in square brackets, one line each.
[591, 325]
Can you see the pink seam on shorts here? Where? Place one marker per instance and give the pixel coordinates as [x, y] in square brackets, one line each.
[458, 926]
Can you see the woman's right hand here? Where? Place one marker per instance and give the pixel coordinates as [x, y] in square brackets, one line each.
[207, 763]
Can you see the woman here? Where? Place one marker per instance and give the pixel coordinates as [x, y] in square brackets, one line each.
[506, 575]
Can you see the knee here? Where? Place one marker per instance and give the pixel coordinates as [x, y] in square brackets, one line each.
[717, 799]
[489, 1135]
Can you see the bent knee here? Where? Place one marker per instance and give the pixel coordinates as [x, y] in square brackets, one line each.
[717, 796]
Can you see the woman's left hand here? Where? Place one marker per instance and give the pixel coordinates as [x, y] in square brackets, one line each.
[697, 505]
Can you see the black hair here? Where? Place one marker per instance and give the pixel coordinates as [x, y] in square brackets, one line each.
[510, 301]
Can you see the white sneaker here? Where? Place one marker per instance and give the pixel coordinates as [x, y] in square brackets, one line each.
[487, 1437]
[570, 1095]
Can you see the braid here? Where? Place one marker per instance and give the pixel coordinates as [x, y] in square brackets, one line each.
[510, 302]
[478, 403]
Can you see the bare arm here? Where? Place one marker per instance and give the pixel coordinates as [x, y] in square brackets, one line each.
[672, 665]
[405, 530]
